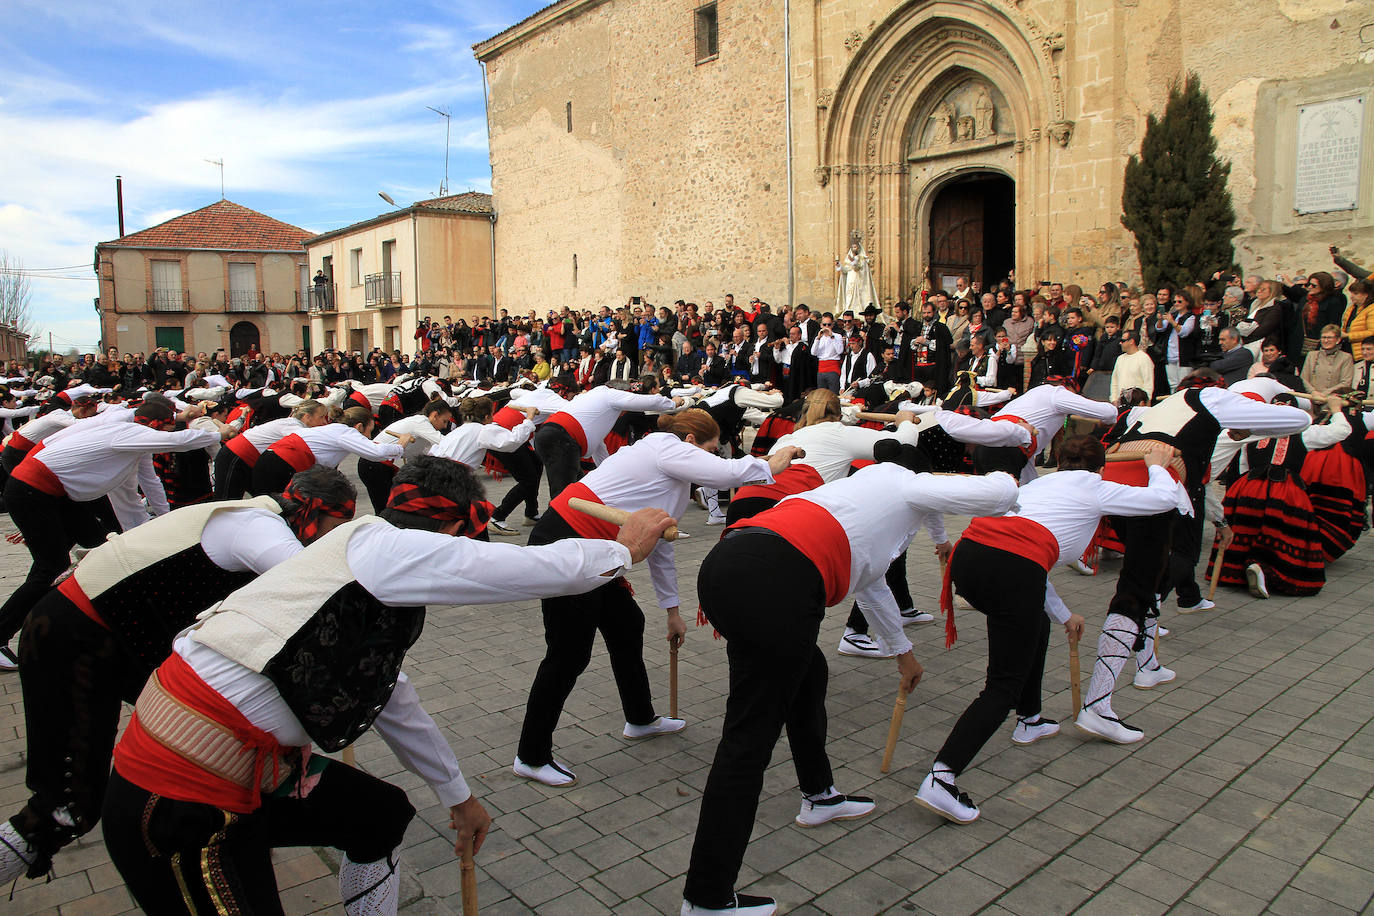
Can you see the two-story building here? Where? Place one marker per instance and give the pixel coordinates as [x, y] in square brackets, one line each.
[382, 275]
[221, 277]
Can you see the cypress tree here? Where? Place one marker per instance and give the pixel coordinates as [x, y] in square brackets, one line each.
[1175, 200]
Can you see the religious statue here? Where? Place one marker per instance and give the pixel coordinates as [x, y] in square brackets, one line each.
[943, 131]
[964, 127]
[983, 111]
[856, 291]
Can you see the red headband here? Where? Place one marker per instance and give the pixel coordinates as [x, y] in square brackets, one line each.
[305, 511]
[415, 500]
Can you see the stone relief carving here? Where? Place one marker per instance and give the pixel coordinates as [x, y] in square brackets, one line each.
[965, 128]
[942, 120]
[983, 111]
[853, 40]
[1061, 131]
[824, 98]
[822, 174]
[966, 112]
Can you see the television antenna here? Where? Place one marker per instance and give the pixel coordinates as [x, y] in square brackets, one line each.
[448, 124]
[219, 162]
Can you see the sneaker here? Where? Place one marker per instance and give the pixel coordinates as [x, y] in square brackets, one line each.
[8, 660]
[1202, 605]
[945, 799]
[715, 520]
[501, 528]
[552, 773]
[1146, 679]
[1029, 731]
[835, 808]
[1254, 577]
[663, 725]
[532, 520]
[743, 905]
[1083, 569]
[862, 645]
[1108, 728]
[912, 616]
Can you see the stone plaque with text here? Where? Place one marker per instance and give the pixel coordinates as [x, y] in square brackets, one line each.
[1328, 162]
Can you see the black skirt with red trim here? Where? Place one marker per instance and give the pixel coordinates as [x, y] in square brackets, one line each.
[770, 431]
[1336, 485]
[1274, 526]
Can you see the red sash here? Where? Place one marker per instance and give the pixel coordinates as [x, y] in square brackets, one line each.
[293, 450]
[1026, 450]
[816, 533]
[360, 399]
[574, 428]
[151, 766]
[585, 525]
[797, 478]
[829, 365]
[508, 418]
[1016, 535]
[243, 449]
[19, 443]
[38, 475]
[73, 593]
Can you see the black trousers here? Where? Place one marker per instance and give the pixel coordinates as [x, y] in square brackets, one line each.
[233, 476]
[777, 678]
[75, 676]
[1185, 550]
[525, 467]
[52, 526]
[1145, 562]
[570, 626]
[1009, 590]
[896, 583]
[560, 455]
[10, 458]
[271, 475]
[181, 858]
[377, 477]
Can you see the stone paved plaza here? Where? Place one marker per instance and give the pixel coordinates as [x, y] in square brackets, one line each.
[1251, 791]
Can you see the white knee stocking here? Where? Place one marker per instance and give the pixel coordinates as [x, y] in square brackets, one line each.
[1113, 649]
[16, 855]
[370, 888]
[1145, 659]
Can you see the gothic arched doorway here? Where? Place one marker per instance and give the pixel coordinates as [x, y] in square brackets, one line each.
[973, 230]
[243, 336]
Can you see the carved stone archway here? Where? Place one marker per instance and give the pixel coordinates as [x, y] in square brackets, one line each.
[880, 179]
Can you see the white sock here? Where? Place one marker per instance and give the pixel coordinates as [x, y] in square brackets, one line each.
[712, 500]
[1145, 659]
[821, 796]
[16, 855]
[1113, 649]
[370, 888]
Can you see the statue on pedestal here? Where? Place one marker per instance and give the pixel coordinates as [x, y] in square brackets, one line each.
[856, 290]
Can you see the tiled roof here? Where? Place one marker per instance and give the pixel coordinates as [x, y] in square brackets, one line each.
[469, 202]
[223, 225]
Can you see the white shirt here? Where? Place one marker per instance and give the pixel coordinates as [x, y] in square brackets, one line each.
[545, 401]
[881, 508]
[468, 443]
[92, 460]
[828, 347]
[39, 428]
[1132, 370]
[248, 540]
[1045, 407]
[831, 446]
[333, 442]
[407, 567]
[1071, 503]
[426, 436]
[658, 472]
[597, 410]
[263, 436]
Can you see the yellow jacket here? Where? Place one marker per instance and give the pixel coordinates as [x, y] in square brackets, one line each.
[1361, 326]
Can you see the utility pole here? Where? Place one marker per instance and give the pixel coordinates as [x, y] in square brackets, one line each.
[219, 162]
[448, 124]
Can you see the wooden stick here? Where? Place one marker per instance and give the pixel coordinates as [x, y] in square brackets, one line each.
[895, 729]
[672, 682]
[350, 756]
[612, 514]
[1075, 678]
[1216, 573]
[468, 873]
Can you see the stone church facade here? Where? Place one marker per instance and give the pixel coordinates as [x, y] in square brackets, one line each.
[648, 147]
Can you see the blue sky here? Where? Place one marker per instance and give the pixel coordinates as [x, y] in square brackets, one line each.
[314, 108]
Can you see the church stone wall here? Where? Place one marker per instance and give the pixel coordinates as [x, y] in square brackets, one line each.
[673, 180]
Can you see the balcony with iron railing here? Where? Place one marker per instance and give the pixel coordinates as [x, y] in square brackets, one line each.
[381, 290]
[245, 300]
[322, 298]
[169, 300]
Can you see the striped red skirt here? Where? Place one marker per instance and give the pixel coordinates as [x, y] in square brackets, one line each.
[1274, 526]
[1336, 486]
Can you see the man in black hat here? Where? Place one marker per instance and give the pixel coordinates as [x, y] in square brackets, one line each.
[875, 334]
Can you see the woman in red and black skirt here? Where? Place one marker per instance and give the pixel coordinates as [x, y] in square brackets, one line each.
[1336, 484]
[1277, 545]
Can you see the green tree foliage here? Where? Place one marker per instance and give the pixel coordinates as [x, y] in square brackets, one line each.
[1175, 200]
